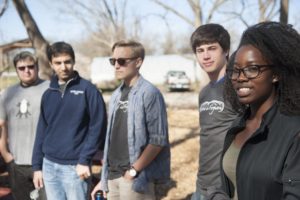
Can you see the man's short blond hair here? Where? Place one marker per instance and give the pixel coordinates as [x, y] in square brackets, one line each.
[137, 48]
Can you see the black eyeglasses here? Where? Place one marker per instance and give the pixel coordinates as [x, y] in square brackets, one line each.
[120, 61]
[250, 71]
[22, 68]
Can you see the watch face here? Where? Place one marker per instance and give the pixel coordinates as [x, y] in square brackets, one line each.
[132, 172]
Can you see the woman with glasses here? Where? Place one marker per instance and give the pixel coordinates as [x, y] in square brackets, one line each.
[261, 156]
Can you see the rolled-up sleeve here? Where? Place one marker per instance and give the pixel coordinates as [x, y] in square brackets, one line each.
[156, 119]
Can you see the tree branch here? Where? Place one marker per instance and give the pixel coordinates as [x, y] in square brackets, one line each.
[216, 5]
[110, 15]
[3, 7]
[239, 15]
[196, 8]
[175, 12]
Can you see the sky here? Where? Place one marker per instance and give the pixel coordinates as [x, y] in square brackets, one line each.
[56, 27]
[47, 18]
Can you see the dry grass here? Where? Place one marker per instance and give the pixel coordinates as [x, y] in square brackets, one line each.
[184, 139]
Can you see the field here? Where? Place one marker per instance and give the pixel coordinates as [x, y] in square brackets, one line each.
[184, 138]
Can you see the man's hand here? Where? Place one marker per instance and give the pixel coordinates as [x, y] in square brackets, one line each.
[7, 156]
[83, 171]
[38, 179]
[127, 176]
[96, 189]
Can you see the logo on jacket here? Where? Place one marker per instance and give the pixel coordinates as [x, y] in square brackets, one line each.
[23, 108]
[212, 106]
[76, 92]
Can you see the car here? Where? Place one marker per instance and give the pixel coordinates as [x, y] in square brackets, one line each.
[177, 80]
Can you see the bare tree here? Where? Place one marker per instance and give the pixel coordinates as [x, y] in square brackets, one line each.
[36, 37]
[267, 9]
[3, 7]
[168, 45]
[6, 48]
[262, 10]
[202, 13]
[106, 21]
[197, 7]
[284, 11]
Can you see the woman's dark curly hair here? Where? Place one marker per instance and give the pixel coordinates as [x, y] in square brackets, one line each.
[280, 45]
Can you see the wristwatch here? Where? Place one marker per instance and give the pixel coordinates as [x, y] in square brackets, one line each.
[132, 172]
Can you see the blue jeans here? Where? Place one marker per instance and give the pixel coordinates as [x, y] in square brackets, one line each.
[63, 183]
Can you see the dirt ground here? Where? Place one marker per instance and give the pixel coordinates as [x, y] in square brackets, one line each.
[183, 120]
[184, 139]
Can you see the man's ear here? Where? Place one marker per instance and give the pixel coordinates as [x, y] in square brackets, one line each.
[50, 64]
[139, 62]
[275, 79]
[227, 53]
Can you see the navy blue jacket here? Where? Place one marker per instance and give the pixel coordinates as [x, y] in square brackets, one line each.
[71, 125]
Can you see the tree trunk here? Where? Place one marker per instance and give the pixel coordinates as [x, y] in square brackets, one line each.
[36, 37]
[284, 11]
[4, 49]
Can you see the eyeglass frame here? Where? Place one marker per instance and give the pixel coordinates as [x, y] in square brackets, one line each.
[244, 70]
[22, 68]
[120, 61]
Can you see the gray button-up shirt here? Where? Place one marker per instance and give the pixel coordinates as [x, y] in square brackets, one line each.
[147, 124]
